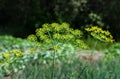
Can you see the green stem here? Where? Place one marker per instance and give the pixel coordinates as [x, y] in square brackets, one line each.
[53, 67]
[92, 52]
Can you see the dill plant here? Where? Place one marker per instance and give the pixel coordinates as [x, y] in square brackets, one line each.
[59, 41]
[99, 34]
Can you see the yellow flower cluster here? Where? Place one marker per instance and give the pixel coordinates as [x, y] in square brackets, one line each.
[100, 34]
[32, 37]
[56, 47]
[63, 37]
[81, 43]
[11, 55]
[14, 54]
[58, 32]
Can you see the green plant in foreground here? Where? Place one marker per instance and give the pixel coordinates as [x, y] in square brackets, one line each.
[62, 39]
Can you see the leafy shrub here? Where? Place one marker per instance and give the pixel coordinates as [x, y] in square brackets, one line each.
[9, 42]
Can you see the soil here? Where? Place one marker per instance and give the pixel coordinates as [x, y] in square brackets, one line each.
[90, 55]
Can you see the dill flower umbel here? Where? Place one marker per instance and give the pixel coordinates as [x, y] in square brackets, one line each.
[58, 32]
[100, 34]
[32, 37]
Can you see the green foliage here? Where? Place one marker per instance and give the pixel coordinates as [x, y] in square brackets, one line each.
[96, 19]
[60, 33]
[75, 12]
[59, 52]
[114, 50]
[90, 41]
[9, 42]
[68, 10]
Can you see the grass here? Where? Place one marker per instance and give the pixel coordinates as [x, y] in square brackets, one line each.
[75, 68]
